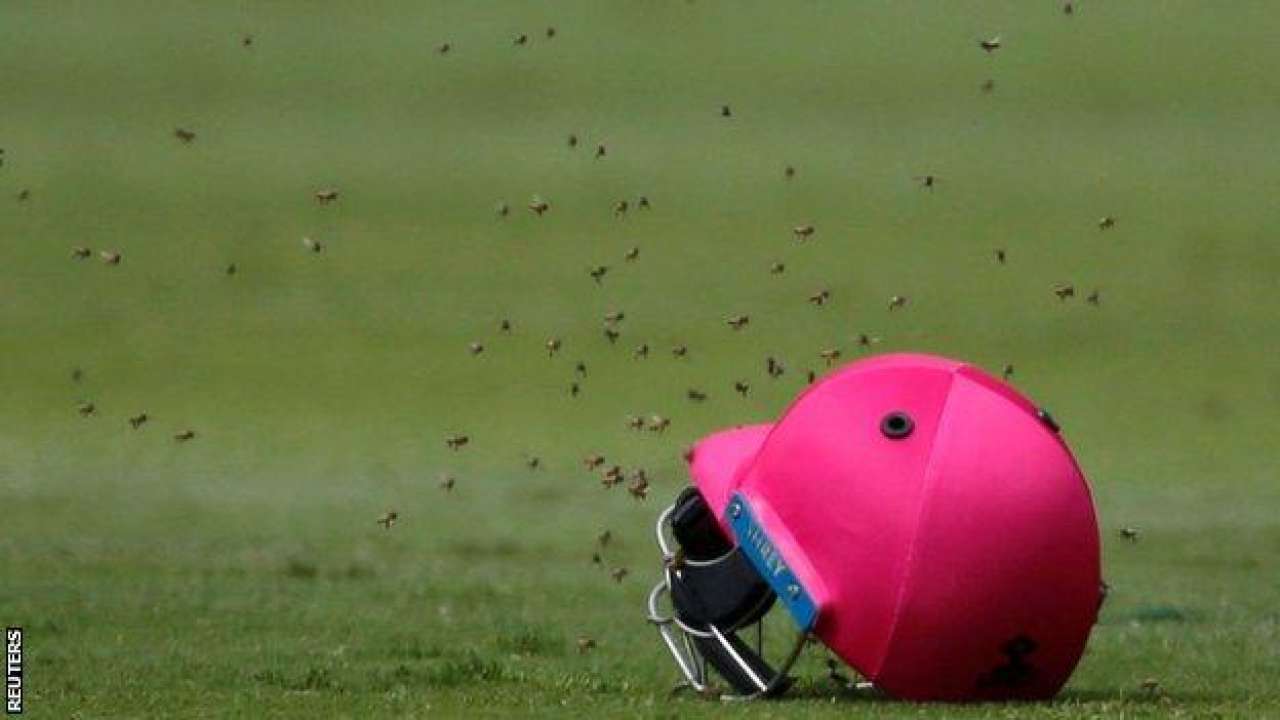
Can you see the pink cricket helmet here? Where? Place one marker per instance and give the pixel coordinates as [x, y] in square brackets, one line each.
[924, 520]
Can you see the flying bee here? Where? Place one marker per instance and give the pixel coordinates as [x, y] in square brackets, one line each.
[1064, 290]
[777, 268]
[642, 202]
[611, 334]
[987, 85]
[1106, 223]
[611, 477]
[802, 232]
[314, 246]
[830, 355]
[326, 195]
[574, 389]
[641, 351]
[533, 462]
[387, 519]
[737, 322]
[658, 423]
[865, 341]
[639, 486]
[1000, 255]
[820, 297]
[635, 422]
[550, 33]
[184, 136]
[695, 395]
[742, 387]
[620, 208]
[897, 301]
[773, 367]
[24, 194]
[613, 317]
[927, 181]
[811, 376]
[110, 257]
[603, 538]
[679, 351]
[475, 348]
[538, 206]
[1068, 8]
[231, 269]
[598, 272]
[585, 644]
[502, 209]
[789, 172]
[444, 48]
[593, 461]
[990, 45]
[456, 442]
[81, 253]
[1094, 298]
[86, 409]
[601, 151]
[632, 255]
[447, 482]
[185, 435]
[726, 111]
[1130, 533]
[1007, 372]
[580, 368]
[553, 346]
[522, 39]
[246, 41]
[572, 140]
[618, 574]
[504, 326]
[138, 420]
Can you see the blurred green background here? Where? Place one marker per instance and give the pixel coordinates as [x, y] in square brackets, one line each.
[243, 573]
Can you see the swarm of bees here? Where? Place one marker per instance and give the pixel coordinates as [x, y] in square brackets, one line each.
[638, 482]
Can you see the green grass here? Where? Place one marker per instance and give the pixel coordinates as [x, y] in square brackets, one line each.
[243, 574]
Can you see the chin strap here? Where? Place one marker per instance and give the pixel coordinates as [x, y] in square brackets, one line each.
[714, 592]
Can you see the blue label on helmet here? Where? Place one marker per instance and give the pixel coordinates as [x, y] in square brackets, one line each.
[764, 555]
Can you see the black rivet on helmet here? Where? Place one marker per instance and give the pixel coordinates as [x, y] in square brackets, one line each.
[897, 425]
[1047, 419]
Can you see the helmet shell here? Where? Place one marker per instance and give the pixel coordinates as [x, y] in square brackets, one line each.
[956, 561]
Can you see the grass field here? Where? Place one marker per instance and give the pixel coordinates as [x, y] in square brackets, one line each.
[242, 573]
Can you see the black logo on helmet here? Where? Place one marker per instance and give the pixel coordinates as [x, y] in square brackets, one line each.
[1016, 671]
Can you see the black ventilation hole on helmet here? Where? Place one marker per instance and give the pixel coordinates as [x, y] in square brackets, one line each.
[897, 425]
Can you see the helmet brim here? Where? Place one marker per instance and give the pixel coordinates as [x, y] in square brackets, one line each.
[718, 460]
